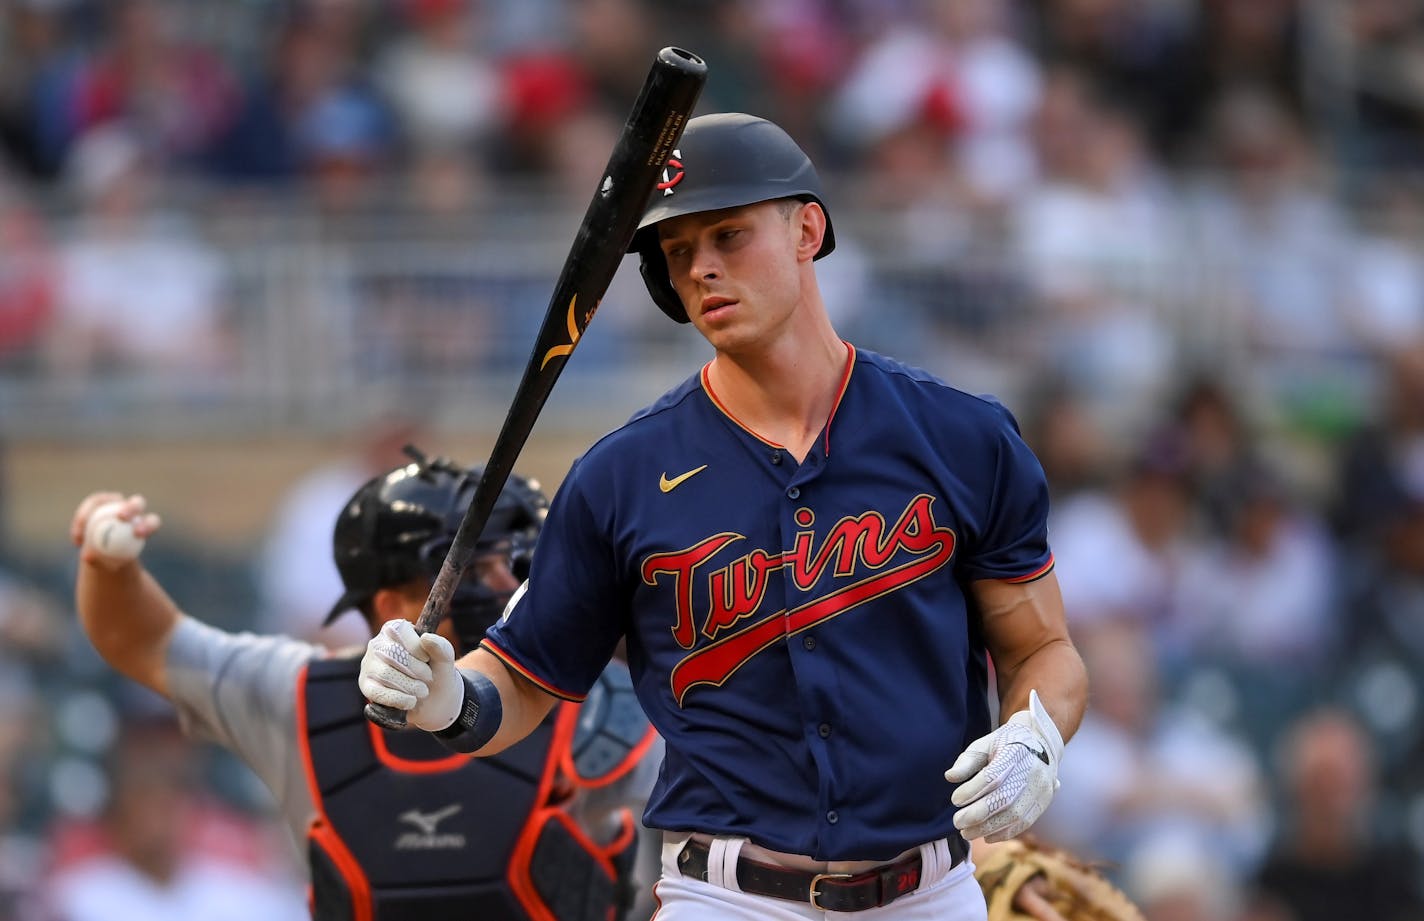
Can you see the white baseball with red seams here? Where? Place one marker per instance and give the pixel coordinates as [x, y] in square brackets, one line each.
[112, 536]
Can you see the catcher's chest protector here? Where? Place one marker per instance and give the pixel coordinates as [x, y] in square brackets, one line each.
[407, 830]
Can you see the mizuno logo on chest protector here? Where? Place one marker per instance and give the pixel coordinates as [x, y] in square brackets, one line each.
[428, 838]
[667, 485]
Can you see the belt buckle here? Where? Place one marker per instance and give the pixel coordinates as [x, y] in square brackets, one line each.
[815, 893]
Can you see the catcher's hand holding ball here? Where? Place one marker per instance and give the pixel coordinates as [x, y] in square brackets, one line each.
[1007, 778]
[111, 529]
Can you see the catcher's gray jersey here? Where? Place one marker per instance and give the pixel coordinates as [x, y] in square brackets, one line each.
[239, 691]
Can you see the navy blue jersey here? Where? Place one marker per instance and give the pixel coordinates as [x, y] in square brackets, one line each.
[798, 633]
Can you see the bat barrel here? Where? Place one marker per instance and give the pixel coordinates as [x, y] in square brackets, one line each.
[653, 128]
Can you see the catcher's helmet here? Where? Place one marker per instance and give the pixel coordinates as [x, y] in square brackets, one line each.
[723, 161]
[399, 526]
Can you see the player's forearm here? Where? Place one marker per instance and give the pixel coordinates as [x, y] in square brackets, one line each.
[1056, 671]
[1027, 635]
[523, 704]
[128, 618]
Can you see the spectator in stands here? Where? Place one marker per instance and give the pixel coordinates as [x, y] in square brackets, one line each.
[445, 92]
[312, 112]
[1095, 236]
[141, 292]
[147, 862]
[296, 575]
[1136, 51]
[1122, 549]
[21, 846]
[38, 64]
[1280, 247]
[1149, 768]
[1381, 464]
[1385, 107]
[1176, 877]
[955, 67]
[173, 94]
[443, 86]
[27, 280]
[1209, 422]
[1380, 658]
[1261, 593]
[1328, 862]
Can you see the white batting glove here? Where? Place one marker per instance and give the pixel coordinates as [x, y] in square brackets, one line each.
[1007, 778]
[414, 672]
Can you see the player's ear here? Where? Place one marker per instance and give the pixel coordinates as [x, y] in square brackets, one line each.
[395, 602]
[813, 231]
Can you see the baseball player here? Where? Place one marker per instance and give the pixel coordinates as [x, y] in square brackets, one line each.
[813, 553]
[389, 821]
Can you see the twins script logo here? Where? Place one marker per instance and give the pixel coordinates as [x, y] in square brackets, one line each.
[853, 547]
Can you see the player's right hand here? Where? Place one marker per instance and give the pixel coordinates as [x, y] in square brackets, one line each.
[414, 672]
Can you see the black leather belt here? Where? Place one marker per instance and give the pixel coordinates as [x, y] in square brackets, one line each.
[825, 891]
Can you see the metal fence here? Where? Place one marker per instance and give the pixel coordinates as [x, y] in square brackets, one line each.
[321, 322]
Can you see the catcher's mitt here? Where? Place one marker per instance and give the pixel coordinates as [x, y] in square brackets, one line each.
[1076, 890]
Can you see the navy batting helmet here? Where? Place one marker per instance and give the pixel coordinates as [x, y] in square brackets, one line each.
[723, 161]
[398, 527]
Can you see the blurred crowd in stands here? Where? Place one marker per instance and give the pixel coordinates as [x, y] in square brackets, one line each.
[1183, 239]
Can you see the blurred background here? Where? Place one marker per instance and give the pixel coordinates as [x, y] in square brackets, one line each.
[248, 248]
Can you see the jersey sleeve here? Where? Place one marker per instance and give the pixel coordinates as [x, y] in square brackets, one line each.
[1012, 541]
[562, 629]
[239, 691]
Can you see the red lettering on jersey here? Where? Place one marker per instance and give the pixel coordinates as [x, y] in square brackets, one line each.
[862, 539]
[736, 591]
[681, 564]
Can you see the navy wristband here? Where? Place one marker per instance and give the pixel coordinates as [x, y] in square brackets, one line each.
[479, 718]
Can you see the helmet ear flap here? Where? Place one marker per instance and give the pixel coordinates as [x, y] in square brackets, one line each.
[653, 267]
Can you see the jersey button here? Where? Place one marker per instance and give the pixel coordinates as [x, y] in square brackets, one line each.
[833, 817]
[776, 457]
[809, 642]
[825, 730]
[793, 493]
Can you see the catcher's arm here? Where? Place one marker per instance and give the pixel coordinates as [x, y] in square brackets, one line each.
[124, 612]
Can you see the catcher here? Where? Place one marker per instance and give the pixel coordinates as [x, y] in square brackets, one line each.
[1023, 879]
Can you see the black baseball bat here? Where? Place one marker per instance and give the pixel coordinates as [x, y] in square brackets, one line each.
[652, 130]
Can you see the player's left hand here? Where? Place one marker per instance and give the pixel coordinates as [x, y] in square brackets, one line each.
[1007, 778]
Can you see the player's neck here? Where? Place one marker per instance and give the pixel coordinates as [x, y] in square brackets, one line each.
[785, 391]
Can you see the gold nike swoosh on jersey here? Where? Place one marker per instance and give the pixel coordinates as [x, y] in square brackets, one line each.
[667, 485]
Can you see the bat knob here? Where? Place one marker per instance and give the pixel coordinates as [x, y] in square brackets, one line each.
[683, 60]
[386, 717]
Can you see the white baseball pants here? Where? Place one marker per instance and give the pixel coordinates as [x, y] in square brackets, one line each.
[945, 893]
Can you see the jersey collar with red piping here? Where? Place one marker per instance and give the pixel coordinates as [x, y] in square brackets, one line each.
[840, 395]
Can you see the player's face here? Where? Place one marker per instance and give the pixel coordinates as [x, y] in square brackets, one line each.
[495, 572]
[737, 270]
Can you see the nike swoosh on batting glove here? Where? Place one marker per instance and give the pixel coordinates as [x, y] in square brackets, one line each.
[1008, 777]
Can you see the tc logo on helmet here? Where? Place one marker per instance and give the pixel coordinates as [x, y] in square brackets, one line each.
[672, 173]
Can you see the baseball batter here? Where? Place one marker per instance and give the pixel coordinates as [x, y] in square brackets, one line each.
[388, 822]
[813, 553]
